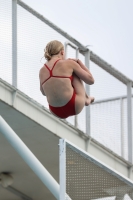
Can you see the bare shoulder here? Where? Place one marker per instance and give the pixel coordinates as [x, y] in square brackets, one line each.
[68, 63]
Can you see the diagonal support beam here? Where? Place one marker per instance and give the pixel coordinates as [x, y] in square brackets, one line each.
[29, 158]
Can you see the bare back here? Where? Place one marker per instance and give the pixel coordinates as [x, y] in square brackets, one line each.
[57, 90]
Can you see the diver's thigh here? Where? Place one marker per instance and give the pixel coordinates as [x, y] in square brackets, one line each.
[79, 103]
[78, 86]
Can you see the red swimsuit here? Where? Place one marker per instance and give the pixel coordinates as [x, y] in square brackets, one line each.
[68, 109]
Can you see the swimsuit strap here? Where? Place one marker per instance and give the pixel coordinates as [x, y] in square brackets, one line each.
[55, 64]
[51, 74]
[50, 70]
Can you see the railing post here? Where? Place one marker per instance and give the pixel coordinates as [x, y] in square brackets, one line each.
[14, 43]
[129, 122]
[121, 127]
[87, 64]
[76, 116]
[65, 49]
[62, 167]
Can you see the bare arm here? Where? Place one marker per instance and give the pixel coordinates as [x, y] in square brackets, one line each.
[41, 89]
[82, 71]
[83, 66]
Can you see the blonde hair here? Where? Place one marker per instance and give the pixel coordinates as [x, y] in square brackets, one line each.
[52, 48]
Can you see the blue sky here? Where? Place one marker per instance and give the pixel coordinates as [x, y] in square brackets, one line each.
[104, 24]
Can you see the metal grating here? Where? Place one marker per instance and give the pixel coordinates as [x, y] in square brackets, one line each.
[86, 180]
[106, 124]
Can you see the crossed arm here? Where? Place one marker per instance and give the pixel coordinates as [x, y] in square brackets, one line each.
[82, 71]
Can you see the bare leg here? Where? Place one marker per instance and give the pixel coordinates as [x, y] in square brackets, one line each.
[82, 98]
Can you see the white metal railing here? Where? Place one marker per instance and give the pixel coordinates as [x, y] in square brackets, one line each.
[80, 171]
[88, 55]
[129, 106]
[120, 98]
[87, 59]
[14, 43]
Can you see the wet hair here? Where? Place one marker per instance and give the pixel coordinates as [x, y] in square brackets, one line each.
[52, 48]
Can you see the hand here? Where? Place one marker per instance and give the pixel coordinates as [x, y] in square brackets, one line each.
[76, 60]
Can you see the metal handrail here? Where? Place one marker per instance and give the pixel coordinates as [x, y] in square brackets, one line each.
[93, 57]
[82, 49]
[110, 99]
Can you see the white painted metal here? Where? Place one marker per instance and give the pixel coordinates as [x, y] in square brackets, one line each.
[87, 64]
[46, 21]
[130, 172]
[96, 59]
[65, 48]
[36, 112]
[14, 97]
[62, 171]
[93, 57]
[29, 158]
[119, 192]
[108, 68]
[97, 162]
[76, 116]
[111, 99]
[77, 53]
[77, 56]
[122, 127]
[71, 45]
[14, 43]
[129, 122]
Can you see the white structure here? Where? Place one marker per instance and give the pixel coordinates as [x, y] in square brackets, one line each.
[38, 128]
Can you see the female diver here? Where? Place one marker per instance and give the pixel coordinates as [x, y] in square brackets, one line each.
[61, 82]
